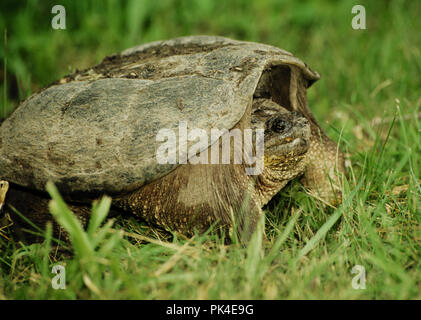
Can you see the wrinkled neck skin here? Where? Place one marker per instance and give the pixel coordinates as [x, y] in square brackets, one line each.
[274, 178]
[267, 186]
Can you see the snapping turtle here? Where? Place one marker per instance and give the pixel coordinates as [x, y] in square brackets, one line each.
[99, 131]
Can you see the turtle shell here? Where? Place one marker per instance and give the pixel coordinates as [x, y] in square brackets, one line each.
[95, 130]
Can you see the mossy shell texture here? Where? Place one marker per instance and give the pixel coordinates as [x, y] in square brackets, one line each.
[95, 130]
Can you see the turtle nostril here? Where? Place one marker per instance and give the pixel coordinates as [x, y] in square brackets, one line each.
[302, 122]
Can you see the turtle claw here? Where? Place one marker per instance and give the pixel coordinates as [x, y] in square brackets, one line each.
[4, 187]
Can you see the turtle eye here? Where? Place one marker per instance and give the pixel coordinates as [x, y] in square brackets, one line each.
[279, 125]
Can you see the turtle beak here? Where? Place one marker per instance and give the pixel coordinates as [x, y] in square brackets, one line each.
[4, 187]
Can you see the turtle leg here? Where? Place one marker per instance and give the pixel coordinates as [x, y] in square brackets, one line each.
[34, 207]
[4, 218]
[4, 187]
[326, 165]
[323, 172]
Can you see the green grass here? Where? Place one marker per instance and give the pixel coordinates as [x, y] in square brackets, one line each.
[368, 99]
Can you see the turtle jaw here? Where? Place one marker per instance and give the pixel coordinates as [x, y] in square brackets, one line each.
[289, 147]
[4, 187]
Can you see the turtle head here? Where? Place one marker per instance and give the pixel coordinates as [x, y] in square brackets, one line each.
[286, 142]
[4, 187]
[286, 135]
[287, 139]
